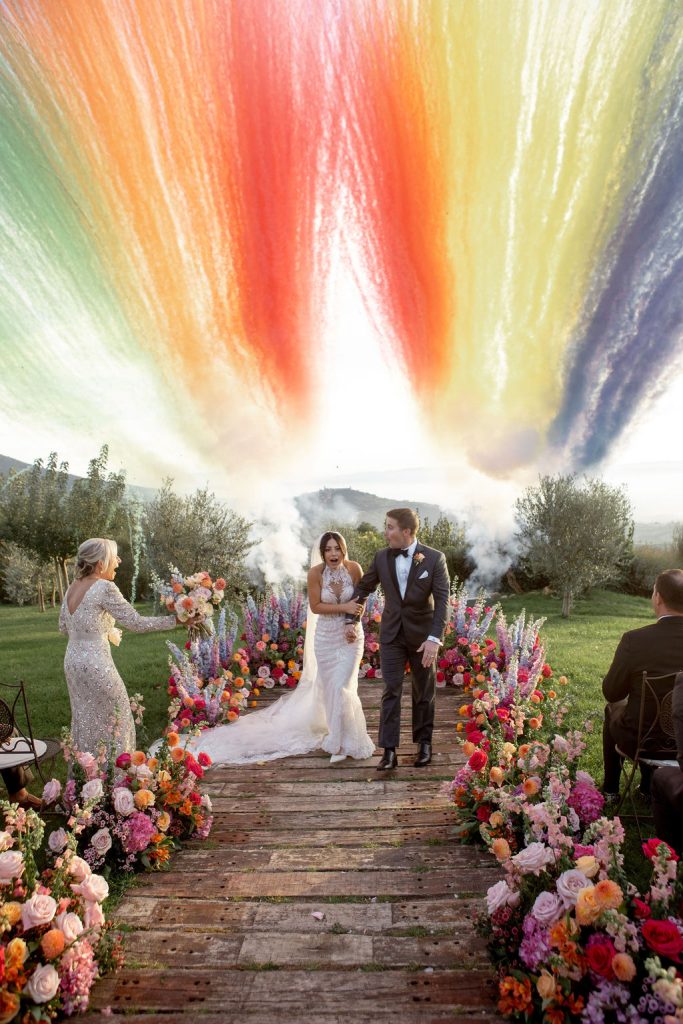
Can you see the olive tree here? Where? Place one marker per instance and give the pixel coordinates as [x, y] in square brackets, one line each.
[578, 533]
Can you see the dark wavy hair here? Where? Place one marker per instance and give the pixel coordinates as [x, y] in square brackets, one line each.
[332, 535]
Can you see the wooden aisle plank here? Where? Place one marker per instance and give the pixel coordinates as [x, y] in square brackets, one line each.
[324, 893]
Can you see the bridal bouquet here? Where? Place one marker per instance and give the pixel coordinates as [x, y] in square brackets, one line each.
[54, 940]
[190, 597]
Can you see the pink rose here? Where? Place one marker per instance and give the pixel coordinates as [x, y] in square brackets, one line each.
[70, 924]
[101, 841]
[93, 790]
[57, 840]
[51, 791]
[123, 801]
[79, 868]
[94, 915]
[500, 895]
[534, 858]
[88, 763]
[569, 884]
[43, 984]
[11, 866]
[37, 911]
[123, 760]
[94, 887]
[547, 908]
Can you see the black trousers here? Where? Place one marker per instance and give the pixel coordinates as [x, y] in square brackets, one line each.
[614, 734]
[14, 779]
[667, 806]
[393, 658]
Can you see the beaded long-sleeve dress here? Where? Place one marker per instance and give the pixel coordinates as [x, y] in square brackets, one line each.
[96, 691]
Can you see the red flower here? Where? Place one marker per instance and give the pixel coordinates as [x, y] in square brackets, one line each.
[370, 674]
[483, 812]
[194, 797]
[291, 683]
[641, 909]
[204, 760]
[188, 645]
[600, 952]
[503, 714]
[474, 736]
[123, 760]
[440, 677]
[546, 671]
[652, 845]
[477, 760]
[443, 662]
[277, 673]
[200, 704]
[664, 938]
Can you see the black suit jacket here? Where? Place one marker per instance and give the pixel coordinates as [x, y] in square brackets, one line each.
[423, 612]
[656, 649]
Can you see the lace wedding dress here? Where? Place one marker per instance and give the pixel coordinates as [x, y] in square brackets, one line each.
[96, 690]
[324, 710]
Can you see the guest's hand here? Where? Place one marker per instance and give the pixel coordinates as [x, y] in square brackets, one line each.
[429, 651]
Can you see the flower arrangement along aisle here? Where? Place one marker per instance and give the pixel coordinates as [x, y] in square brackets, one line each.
[189, 596]
[54, 940]
[132, 811]
[370, 621]
[274, 629]
[204, 691]
[467, 652]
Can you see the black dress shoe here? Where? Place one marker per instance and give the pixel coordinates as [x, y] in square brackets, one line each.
[389, 760]
[424, 755]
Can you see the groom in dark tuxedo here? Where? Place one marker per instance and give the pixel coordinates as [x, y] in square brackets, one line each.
[416, 589]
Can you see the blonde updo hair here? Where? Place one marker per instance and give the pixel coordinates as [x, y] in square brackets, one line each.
[97, 549]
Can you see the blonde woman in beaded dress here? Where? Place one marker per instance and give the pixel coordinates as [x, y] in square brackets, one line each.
[325, 710]
[91, 606]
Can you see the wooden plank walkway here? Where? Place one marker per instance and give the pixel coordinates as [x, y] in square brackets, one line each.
[228, 935]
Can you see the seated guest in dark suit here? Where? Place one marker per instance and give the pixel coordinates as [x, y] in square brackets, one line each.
[667, 785]
[656, 649]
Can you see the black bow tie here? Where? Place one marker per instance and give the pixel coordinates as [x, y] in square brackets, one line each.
[399, 551]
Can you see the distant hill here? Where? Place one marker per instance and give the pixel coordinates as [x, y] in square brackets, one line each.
[657, 534]
[330, 506]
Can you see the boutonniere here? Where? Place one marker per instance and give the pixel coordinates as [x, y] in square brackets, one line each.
[418, 557]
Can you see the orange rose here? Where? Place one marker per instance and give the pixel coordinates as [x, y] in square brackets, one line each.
[530, 787]
[496, 776]
[177, 588]
[501, 849]
[551, 694]
[535, 723]
[9, 1005]
[524, 750]
[464, 711]
[173, 739]
[623, 967]
[143, 798]
[12, 912]
[152, 764]
[178, 754]
[138, 758]
[587, 909]
[468, 748]
[52, 943]
[163, 821]
[608, 895]
[232, 716]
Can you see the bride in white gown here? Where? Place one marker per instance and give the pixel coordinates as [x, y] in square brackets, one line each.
[325, 710]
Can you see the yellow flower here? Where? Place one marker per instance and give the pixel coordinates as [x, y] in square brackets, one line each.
[16, 951]
[587, 909]
[496, 819]
[588, 865]
[163, 821]
[496, 775]
[11, 912]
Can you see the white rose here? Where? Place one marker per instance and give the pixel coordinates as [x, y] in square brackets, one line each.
[94, 887]
[500, 895]
[11, 865]
[101, 841]
[93, 790]
[206, 801]
[94, 915]
[533, 858]
[43, 984]
[123, 801]
[51, 791]
[79, 868]
[6, 840]
[547, 908]
[568, 885]
[57, 840]
[37, 911]
[70, 924]
[142, 771]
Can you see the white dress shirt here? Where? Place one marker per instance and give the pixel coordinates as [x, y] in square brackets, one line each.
[403, 567]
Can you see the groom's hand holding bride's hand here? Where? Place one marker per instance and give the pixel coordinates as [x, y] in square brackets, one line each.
[429, 650]
[351, 608]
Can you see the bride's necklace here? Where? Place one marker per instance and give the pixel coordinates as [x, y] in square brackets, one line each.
[337, 575]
